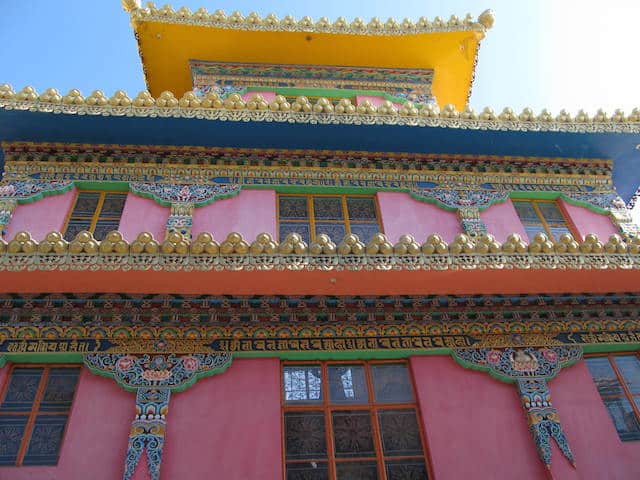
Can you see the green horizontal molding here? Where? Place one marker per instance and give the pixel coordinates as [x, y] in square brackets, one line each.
[104, 186]
[318, 190]
[324, 92]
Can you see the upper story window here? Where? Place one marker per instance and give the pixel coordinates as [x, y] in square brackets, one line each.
[96, 211]
[33, 414]
[351, 420]
[618, 380]
[334, 215]
[542, 216]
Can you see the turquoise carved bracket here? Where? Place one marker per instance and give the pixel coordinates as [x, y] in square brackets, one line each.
[529, 369]
[153, 378]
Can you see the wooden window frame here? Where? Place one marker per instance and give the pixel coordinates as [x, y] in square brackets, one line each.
[35, 407]
[97, 213]
[311, 220]
[326, 407]
[568, 223]
[626, 392]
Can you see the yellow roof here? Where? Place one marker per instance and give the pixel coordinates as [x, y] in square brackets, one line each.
[168, 40]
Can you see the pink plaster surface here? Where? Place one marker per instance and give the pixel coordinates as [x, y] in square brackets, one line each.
[42, 216]
[95, 442]
[587, 221]
[143, 215]
[227, 426]
[375, 100]
[267, 95]
[474, 425]
[402, 214]
[598, 451]
[249, 213]
[502, 220]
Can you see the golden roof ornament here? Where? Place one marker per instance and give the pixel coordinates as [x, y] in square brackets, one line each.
[487, 19]
[130, 5]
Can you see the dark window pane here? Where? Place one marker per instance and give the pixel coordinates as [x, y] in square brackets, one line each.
[76, 226]
[356, 471]
[46, 438]
[347, 384]
[307, 471]
[11, 432]
[406, 470]
[86, 204]
[400, 432]
[293, 207]
[300, 228]
[352, 434]
[361, 208]
[335, 230]
[526, 212]
[604, 376]
[391, 383]
[551, 212]
[22, 389]
[304, 435]
[327, 208]
[365, 230]
[623, 418]
[58, 393]
[302, 384]
[103, 227]
[113, 205]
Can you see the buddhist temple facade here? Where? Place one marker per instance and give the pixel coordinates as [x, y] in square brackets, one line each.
[300, 255]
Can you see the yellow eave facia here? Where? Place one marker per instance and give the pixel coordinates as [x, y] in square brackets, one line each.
[169, 39]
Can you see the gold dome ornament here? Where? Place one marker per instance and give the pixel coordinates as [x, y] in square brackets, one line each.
[487, 19]
[130, 5]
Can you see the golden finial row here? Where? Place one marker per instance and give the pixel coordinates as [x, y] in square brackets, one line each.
[254, 21]
[293, 244]
[508, 119]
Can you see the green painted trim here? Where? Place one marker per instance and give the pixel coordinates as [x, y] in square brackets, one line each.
[44, 357]
[295, 189]
[106, 186]
[344, 355]
[43, 194]
[3, 361]
[166, 203]
[324, 92]
[611, 347]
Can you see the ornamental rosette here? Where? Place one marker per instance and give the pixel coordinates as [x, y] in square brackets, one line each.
[494, 356]
[190, 363]
[156, 375]
[125, 363]
[549, 355]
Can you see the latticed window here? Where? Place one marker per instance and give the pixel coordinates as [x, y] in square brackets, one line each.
[33, 414]
[96, 211]
[334, 215]
[351, 421]
[618, 380]
[542, 216]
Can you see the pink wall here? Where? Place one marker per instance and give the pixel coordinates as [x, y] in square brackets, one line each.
[268, 96]
[42, 216]
[587, 221]
[95, 442]
[227, 426]
[475, 426]
[402, 214]
[502, 220]
[143, 215]
[249, 213]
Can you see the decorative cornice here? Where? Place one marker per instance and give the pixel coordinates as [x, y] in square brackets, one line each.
[177, 253]
[323, 111]
[271, 23]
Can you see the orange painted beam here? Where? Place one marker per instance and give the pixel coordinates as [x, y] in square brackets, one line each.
[324, 283]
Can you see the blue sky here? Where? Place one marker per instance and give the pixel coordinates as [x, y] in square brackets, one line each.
[540, 53]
